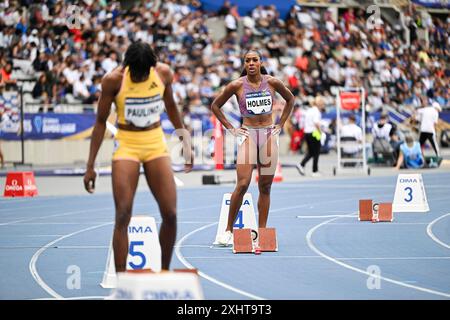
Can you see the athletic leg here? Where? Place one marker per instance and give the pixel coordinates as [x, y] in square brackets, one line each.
[125, 176]
[246, 160]
[268, 155]
[161, 181]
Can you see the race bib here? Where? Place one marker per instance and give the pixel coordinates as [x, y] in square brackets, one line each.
[143, 112]
[258, 102]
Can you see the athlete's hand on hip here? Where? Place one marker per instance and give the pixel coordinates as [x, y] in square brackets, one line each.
[239, 132]
[89, 180]
[276, 130]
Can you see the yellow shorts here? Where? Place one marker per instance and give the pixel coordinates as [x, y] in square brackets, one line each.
[140, 146]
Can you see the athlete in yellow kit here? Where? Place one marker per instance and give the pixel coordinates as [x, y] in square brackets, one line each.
[140, 89]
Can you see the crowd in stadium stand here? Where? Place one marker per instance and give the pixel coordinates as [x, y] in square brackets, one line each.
[308, 49]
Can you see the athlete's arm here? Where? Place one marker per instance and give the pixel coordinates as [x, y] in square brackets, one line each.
[221, 99]
[287, 96]
[107, 95]
[399, 160]
[174, 115]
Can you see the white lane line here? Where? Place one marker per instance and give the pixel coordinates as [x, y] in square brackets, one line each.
[56, 223]
[325, 216]
[75, 298]
[345, 199]
[94, 222]
[368, 223]
[214, 247]
[70, 201]
[33, 261]
[252, 256]
[82, 247]
[58, 215]
[189, 222]
[396, 258]
[29, 235]
[312, 257]
[93, 210]
[204, 275]
[431, 234]
[334, 260]
[343, 186]
[178, 181]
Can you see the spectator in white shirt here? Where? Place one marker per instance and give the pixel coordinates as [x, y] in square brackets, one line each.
[110, 63]
[71, 74]
[352, 131]
[230, 23]
[381, 145]
[428, 117]
[80, 89]
[313, 134]
[34, 37]
[382, 129]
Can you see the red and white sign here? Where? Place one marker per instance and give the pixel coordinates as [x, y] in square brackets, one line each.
[350, 100]
[20, 184]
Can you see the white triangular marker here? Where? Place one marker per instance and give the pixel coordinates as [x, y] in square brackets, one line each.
[410, 194]
[157, 286]
[245, 219]
[144, 251]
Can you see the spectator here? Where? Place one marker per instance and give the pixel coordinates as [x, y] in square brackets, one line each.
[428, 117]
[230, 23]
[110, 63]
[224, 9]
[5, 73]
[328, 51]
[41, 91]
[381, 144]
[296, 129]
[313, 132]
[80, 89]
[410, 156]
[382, 129]
[352, 133]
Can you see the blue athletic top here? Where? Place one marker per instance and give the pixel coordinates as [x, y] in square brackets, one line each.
[413, 156]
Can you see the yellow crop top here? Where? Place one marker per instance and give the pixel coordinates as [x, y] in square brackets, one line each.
[140, 103]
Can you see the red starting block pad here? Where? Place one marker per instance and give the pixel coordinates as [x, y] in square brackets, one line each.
[20, 184]
[385, 212]
[242, 241]
[365, 210]
[267, 239]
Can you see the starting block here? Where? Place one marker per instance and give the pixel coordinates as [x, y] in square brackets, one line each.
[263, 241]
[385, 212]
[375, 212]
[242, 241]
[365, 210]
[267, 240]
